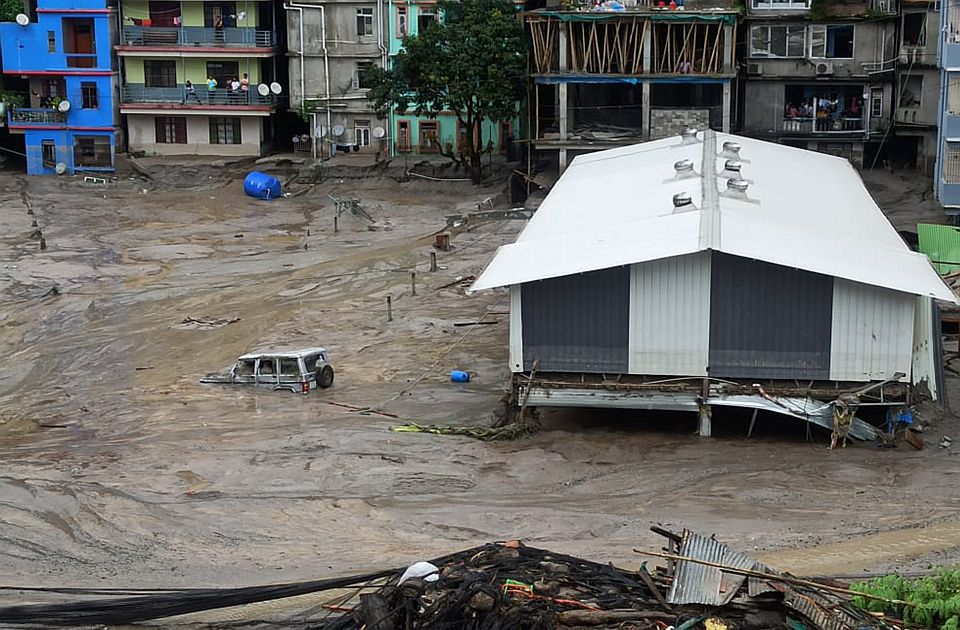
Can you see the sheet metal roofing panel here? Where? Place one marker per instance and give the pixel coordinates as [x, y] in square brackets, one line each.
[872, 332]
[670, 316]
[942, 244]
[812, 212]
[695, 583]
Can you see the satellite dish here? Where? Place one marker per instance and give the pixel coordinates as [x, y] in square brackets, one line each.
[263, 89]
[22, 19]
[338, 131]
[319, 131]
[60, 168]
[379, 132]
[64, 106]
[275, 88]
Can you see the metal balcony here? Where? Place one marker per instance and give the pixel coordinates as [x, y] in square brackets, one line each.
[139, 93]
[804, 126]
[187, 36]
[21, 116]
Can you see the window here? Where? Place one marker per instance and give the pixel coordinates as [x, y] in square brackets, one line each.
[781, 4]
[48, 152]
[79, 42]
[401, 21]
[51, 42]
[911, 91]
[462, 136]
[164, 13]
[425, 17]
[224, 130]
[361, 132]
[360, 81]
[171, 129]
[876, 102]
[777, 41]
[160, 73]
[219, 15]
[951, 163]
[88, 95]
[953, 95]
[364, 22]
[831, 41]
[92, 151]
[914, 29]
[506, 137]
[289, 367]
[223, 71]
[429, 137]
[403, 135]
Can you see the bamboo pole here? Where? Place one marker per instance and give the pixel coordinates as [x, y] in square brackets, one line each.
[771, 576]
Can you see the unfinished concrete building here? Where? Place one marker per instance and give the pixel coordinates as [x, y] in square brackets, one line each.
[332, 43]
[918, 87]
[820, 75]
[605, 79]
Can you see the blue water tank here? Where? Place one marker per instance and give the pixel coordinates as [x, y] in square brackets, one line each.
[459, 376]
[261, 186]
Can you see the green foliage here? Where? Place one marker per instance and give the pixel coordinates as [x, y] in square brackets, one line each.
[935, 599]
[819, 10]
[473, 64]
[9, 10]
[12, 99]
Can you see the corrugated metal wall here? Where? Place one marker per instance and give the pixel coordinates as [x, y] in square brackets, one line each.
[872, 332]
[577, 323]
[670, 316]
[768, 321]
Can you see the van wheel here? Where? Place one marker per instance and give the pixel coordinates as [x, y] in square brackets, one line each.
[325, 378]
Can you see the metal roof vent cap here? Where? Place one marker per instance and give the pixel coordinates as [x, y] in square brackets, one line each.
[732, 166]
[737, 186]
[730, 149]
[681, 200]
[689, 136]
[683, 167]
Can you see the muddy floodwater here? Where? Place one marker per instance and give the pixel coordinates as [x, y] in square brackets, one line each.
[121, 469]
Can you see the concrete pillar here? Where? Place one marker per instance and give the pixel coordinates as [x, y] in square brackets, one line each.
[645, 109]
[726, 107]
[728, 48]
[563, 95]
[706, 425]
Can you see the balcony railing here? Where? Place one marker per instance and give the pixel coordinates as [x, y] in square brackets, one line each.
[186, 36]
[138, 93]
[843, 124]
[36, 117]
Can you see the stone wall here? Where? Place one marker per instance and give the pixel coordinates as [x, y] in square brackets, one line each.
[670, 122]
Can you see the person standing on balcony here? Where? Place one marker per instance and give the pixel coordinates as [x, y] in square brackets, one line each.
[245, 87]
[218, 30]
[234, 86]
[188, 91]
[211, 89]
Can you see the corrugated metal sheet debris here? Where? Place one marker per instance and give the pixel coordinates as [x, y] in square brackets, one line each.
[941, 243]
[695, 583]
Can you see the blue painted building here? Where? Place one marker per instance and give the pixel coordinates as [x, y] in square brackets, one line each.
[66, 53]
[948, 141]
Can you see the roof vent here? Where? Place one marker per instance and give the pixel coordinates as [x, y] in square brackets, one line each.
[737, 186]
[684, 168]
[689, 136]
[730, 149]
[682, 200]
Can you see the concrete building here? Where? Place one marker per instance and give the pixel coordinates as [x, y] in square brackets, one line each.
[331, 45]
[918, 87]
[607, 79]
[704, 276]
[420, 135]
[947, 174]
[64, 47]
[178, 59]
[820, 80]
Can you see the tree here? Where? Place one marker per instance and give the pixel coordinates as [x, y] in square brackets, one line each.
[472, 63]
[9, 9]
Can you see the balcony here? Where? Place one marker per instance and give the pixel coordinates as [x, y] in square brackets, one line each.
[22, 116]
[829, 125]
[197, 36]
[135, 93]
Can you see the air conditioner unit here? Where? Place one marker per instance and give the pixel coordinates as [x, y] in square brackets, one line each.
[755, 69]
[824, 68]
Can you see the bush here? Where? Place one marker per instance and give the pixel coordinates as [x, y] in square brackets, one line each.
[934, 600]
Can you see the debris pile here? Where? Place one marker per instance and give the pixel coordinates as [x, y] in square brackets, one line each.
[509, 585]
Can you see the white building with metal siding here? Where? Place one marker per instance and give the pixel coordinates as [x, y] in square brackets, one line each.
[753, 268]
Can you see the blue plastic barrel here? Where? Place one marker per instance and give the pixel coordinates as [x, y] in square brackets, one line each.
[459, 376]
[261, 186]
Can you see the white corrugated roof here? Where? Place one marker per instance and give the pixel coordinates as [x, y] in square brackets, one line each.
[802, 209]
